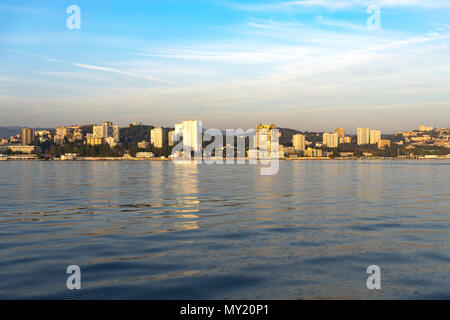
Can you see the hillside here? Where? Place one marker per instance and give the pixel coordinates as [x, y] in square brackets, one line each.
[286, 136]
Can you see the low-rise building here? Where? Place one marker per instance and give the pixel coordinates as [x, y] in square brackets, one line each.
[423, 128]
[384, 143]
[145, 155]
[94, 141]
[21, 148]
[143, 145]
[346, 154]
[313, 153]
[69, 156]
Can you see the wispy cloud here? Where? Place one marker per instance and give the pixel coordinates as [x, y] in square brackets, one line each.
[93, 67]
[282, 6]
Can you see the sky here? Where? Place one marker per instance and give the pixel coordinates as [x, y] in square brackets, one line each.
[307, 64]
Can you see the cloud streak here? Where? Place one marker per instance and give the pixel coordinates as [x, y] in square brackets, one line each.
[290, 6]
[93, 67]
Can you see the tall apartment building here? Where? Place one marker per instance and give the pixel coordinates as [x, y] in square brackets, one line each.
[158, 137]
[330, 140]
[363, 136]
[192, 135]
[340, 132]
[266, 138]
[105, 133]
[178, 132]
[171, 138]
[106, 130]
[298, 141]
[375, 136]
[345, 140]
[27, 135]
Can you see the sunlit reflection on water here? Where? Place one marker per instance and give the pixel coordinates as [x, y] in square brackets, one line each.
[155, 230]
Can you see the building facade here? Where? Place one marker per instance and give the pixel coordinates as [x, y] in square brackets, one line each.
[340, 132]
[27, 135]
[363, 136]
[375, 136]
[171, 138]
[158, 137]
[298, 141]
[105, 133]
[384, 144]
[330, 140]
[192, 135]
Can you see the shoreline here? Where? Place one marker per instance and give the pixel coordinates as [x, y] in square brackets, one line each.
[88, 159]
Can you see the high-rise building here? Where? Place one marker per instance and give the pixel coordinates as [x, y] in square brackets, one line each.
[345, 140]
[158, 137]
[178, 132]
[192, 135]
[363, 136]
[171, 138]
[266, 138]
[298, 141]
[107, 132]
[340, 132]
[27, 136]
[375, 136]
[330, 140]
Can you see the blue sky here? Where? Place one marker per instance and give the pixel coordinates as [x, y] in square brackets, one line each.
[308, 65]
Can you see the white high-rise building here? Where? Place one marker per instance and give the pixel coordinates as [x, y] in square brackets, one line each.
[178, 132]
[363, 135]
[106, 130]
[330, 140]
[375, 136]
[158, 137]
[192, 135]
[298, 141]
[266, 140]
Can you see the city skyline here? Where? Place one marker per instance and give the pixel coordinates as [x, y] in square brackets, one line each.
[308, 64]
[173, 125]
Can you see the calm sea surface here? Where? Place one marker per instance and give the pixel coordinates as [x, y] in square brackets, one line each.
[156, 230]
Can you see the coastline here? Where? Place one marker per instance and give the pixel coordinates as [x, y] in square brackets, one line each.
[246, 159]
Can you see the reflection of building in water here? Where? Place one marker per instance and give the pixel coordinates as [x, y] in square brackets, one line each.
[185, 189]
[370, 182]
